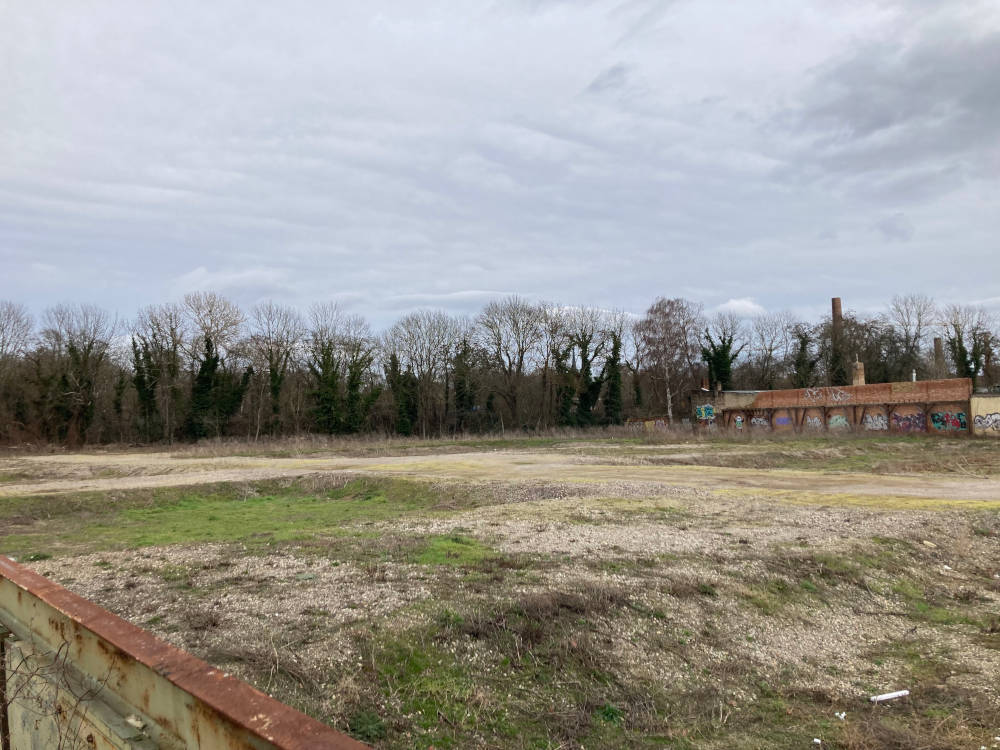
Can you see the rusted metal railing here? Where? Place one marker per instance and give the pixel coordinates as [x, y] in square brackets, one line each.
[77, 676]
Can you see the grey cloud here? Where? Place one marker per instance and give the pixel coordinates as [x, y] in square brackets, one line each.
[392, 154]
[895, 228]
[612, 78]
[907, 106]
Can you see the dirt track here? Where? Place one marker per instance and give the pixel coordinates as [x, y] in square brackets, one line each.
[54, 474]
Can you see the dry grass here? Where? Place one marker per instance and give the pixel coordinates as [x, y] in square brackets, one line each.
[562, 614]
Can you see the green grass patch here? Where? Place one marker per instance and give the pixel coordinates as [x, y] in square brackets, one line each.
[453, 549]
[228, 514]
[928, 610]
[773, 596]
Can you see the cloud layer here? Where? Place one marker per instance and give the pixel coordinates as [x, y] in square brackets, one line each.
[392, 155]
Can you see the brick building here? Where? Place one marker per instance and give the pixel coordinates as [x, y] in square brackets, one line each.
[935, 406]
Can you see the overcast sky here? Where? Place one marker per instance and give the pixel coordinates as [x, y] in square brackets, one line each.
[395, 155]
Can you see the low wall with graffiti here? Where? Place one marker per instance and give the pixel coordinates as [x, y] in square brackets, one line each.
[985, 411]
[649, 424]
[932, 406]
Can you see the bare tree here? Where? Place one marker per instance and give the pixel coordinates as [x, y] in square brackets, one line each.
[668, 337]
[510, 330]
[326, 321]
[351, 335]
[588, 333]
[553, 342]
[212, 316]
[728, 325]
[424, 342]
[76, 340]
[587, 328]
[160, 335]
[912, 315]
[275, 336]
[341, 352]
[15, 329]
[770, 342]
[968, 332]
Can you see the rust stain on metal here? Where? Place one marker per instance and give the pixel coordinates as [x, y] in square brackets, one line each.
[218, 699]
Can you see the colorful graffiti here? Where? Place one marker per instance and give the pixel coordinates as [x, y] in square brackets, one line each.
[875, 422]
[814, 423]
[838, 422]
[738, 422]
[909, 422]
[837, 395]
[988, 422]
[705, 412]
[946, 420]
[783, 421]
[657, 424]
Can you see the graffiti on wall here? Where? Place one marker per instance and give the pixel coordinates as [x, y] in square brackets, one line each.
[948, 420]
[836, 395]
[909, 422]
[783, 421]
[648, 425]
[760, 422]
[988, 422]
[705, 413]
[655, 425]
[814, 423]
[838, 422]
[877, 422]
[738, 421]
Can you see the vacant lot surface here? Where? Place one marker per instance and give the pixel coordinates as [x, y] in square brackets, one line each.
[555, 592]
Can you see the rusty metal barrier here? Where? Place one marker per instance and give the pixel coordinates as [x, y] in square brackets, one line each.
[77, 676]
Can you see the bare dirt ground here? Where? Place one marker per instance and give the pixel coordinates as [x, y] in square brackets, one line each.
[584, 594]
[82, 472]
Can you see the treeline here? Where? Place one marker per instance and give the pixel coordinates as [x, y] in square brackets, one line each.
[205, 368]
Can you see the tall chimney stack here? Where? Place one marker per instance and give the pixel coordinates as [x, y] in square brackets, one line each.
[839, 372]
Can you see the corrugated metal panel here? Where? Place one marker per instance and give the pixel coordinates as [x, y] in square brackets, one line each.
[181, 700]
